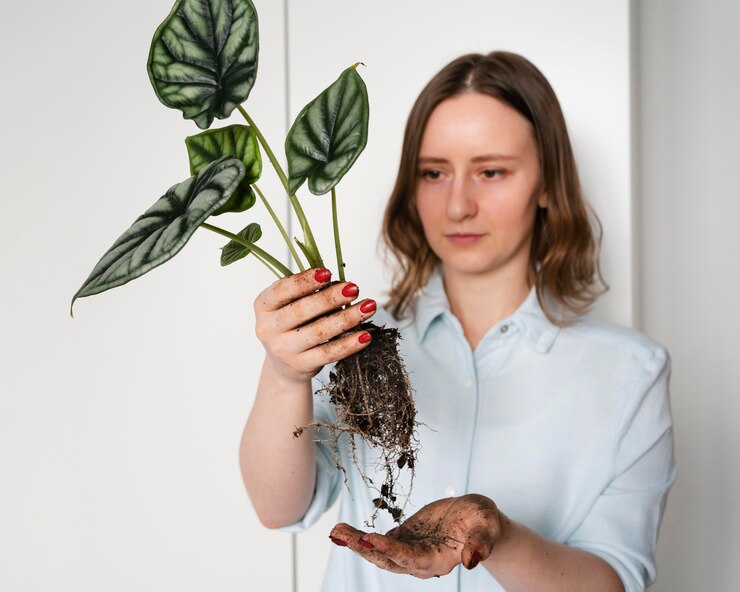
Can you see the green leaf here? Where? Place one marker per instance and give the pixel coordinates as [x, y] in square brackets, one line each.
[203, 58]
[328, 135]
[236, 141]
[158, 235]
[233, 251]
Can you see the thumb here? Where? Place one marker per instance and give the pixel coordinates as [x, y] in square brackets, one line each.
[477, 548]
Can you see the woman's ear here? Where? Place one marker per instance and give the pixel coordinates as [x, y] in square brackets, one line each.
[542, 201]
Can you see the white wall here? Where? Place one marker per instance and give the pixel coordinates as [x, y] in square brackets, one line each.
[119, 429]
[690, 282]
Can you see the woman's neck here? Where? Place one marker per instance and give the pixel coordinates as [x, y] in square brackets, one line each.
[479, 301]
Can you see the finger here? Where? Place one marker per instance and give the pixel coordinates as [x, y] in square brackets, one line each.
[345, 535]
[381, 561]
[335, 350]
[420, 559]
[286, 290]
[364, 545]
[478, 547]
[344, 532]
[416, 557]
[328, 327]
[314, 306]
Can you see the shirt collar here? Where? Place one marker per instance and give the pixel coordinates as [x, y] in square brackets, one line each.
[536, 330]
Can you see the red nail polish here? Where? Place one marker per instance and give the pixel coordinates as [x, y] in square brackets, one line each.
[474, 560]
[338, 542]
[366, 544]
[365, 337]
[368, 306]
[350, 290]
[322, 276]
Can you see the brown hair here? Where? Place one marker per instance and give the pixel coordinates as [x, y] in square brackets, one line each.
[564, 262]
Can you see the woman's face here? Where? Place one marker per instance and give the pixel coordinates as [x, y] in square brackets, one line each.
[478, 186]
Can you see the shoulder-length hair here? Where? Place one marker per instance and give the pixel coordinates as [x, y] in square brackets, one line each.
[564, 264]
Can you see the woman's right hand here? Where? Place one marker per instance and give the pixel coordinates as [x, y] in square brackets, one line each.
[293, 323]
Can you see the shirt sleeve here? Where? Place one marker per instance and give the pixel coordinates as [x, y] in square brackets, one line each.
[622, 525]
[328, 477]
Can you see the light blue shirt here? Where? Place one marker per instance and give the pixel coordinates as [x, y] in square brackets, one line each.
[567, 429]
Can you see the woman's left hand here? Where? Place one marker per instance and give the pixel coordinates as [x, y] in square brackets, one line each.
[433, 541]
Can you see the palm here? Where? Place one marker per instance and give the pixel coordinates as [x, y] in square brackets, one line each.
[433, 541]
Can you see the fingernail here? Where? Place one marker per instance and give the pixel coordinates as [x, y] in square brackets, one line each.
[322, 275]
[366, 544]
[474, 560]
[350, 290]
[337, 541]
[368, 306]
[365, 337]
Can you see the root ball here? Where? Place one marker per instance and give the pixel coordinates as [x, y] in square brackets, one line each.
[372, 394]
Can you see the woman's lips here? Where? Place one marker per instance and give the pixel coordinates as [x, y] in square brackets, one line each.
[463, 239]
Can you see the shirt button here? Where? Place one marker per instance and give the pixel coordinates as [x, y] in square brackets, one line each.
[449, 491]
[504, 329]
[468, 382]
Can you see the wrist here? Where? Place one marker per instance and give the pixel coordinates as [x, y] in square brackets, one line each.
[509, 546]
[282, 377]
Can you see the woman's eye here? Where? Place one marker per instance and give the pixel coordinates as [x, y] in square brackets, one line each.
[492, 173]
[432, 174]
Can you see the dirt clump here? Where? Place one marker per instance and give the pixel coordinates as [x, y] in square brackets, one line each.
[372, 394]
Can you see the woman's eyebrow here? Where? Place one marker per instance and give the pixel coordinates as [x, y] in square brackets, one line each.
[481, 158]
[487, 157]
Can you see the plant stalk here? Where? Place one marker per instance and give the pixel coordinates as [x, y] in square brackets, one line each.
[337, 243]
[266, 147]
[310, 241]
[281, 228]
[268, 266]
[261, 255]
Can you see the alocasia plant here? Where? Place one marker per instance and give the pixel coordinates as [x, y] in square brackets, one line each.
[203, 61]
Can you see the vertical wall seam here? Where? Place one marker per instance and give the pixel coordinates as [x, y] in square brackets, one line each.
[289, 230]
[635, 165]
[286, 51]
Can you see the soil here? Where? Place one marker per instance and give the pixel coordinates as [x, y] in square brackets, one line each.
[374, 401]
[425, 535]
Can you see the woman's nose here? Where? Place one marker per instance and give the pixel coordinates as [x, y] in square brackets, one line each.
[460, 203]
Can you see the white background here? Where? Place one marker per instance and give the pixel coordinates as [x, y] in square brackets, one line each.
[119, 429]
[689, 207]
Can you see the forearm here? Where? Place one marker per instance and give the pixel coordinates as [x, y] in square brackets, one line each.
[523, 561]
[278, 469]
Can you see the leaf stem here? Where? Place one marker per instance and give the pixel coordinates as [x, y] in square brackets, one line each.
[281, 228]
[266, 147]
[313, 250]
[267, 265]
[254, 248]
[337, 243]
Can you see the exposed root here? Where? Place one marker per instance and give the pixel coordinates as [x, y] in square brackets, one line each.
[373, 398]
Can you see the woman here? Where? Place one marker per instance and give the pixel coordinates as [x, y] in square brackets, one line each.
[546, 454]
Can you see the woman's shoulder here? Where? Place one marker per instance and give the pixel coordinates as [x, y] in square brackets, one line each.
[605, 338]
